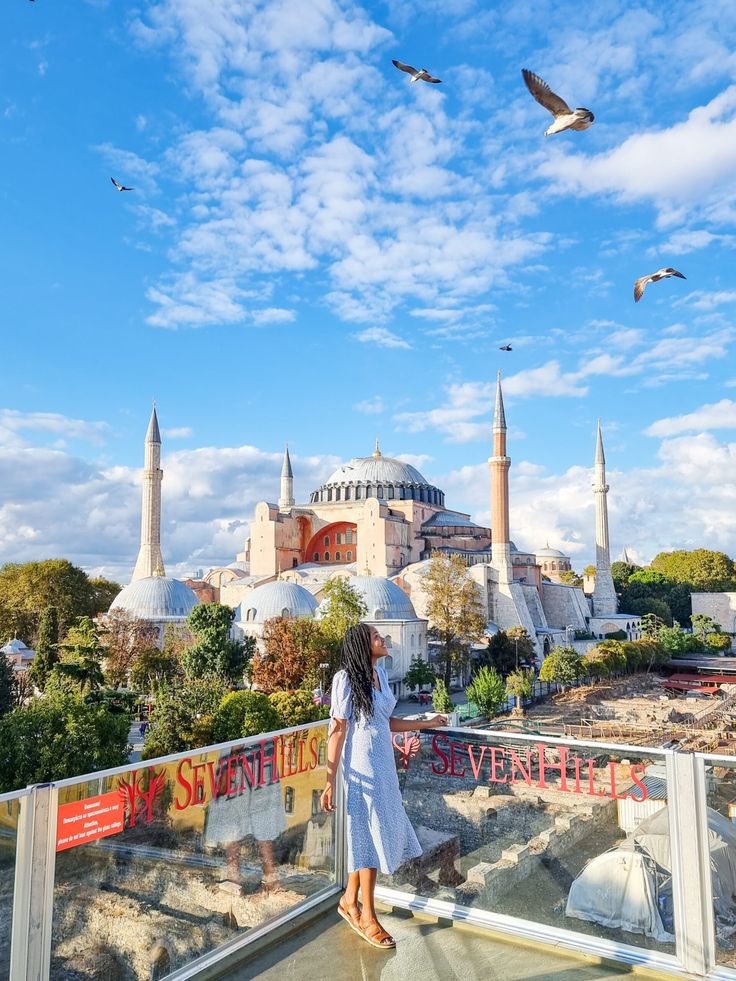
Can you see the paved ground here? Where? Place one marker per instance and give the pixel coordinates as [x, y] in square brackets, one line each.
[426, 951]
[136, 741]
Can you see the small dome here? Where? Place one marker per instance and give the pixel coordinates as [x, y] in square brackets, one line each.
[15, 647]
[550, 553]
[383, 598]
[156, 598]
[276, 599]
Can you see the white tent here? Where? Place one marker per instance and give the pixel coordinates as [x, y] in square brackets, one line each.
[629, 887]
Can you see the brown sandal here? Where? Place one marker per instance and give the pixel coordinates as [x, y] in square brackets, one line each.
[376, 936]
[352, 920]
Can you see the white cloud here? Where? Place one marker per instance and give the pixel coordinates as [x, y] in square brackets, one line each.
[272, 315]
[381, 337]
[370, 407]
[703, 300]
[178, 432]
[13, 422]
[718, 415]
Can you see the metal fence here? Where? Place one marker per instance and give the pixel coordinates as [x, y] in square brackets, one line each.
[166, 867]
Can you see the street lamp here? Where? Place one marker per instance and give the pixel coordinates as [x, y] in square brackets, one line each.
[568, 628]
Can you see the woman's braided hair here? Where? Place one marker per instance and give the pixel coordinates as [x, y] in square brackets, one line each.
[356, 661]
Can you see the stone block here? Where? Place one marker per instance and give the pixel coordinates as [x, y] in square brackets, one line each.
[515, 853]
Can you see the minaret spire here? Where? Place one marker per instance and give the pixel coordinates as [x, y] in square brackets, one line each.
[499, 464]
[150, 561]
[286, 498]
[604, 594]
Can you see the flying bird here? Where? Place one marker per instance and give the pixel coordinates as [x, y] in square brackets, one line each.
[506, 347]
[121, 187]
[416, 76]
[641, 284]
[564, 116]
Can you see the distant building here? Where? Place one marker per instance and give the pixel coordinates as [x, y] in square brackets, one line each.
[721, 607]
[553, 562]
[20, 656]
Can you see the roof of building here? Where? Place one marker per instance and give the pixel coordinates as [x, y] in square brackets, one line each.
[450, 519]
[383, 598]
[551, 553]
[278, 598]
[376, 470]
[16, 648]
[156, 598]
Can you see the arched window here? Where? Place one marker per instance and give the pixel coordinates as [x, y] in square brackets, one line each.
[359, 493]
[379, 491]
[316, 556]
[338, 556]
[329, 493]
[388, 662]
[391, 492]
[289, 800]
[369, 491]
[337, 493]
[327, 556]
[388, 642]
[378, 615]
[349, 555]
[326, 540]
[347, 493]
[338, 538]
[412, 641]
[286, 612]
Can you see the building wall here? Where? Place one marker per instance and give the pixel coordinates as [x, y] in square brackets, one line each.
[720, 606]
[564, 605]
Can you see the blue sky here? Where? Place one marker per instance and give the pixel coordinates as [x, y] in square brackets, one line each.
[318, 250]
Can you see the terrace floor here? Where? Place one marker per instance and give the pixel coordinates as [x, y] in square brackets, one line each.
[428, 950]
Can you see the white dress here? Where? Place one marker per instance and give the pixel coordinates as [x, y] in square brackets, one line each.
[378, 830]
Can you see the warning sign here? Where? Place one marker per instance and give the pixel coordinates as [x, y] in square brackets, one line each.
[81, 821]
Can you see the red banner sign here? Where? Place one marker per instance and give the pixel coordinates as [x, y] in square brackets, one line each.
[82, 821]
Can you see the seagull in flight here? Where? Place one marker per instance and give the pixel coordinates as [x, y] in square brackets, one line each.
[421, 75]
[564, 116]
[121, 187]
[641, 284]
[506, 347]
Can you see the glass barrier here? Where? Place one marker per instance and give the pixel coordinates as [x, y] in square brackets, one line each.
[572, 835]
[161, 863]
[10, 805]
[720, 787]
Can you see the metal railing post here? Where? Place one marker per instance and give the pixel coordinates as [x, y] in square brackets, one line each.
[691, 875]
[30, 941]
[341, 829]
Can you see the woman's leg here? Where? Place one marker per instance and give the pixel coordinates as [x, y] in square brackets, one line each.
[368, 920]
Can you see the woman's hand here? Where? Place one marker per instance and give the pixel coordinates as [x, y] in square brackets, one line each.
[434, 722]
[326, 798]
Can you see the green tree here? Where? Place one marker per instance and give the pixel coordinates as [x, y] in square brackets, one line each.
[47, 654]
[245, 713]
[454, 610]
[297, 708]
[441, 701]
[104, 592]
[571, 578]
[125, 637]
[562, 665]
[182, 716]
[700, 569]
[487, 690]
[718, 642]
[590, 570]
[153, 669]
[419, 673]
[651, 624]
[81, 656]
[293, 649]
[508, 650]
[342, 607]
[621, 572]
[676, 641]
[53, 738]
[651, 607]
[214, 652]
[605, 659]
[520, 684]
[7, 685]
[704, 625]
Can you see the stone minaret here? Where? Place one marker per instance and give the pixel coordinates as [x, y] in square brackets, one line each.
[286, 498]
[604, 594]
[150, 561]
[499, 464]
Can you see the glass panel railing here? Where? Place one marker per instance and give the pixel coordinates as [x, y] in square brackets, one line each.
[161, 863]
[573, 836]
[720, 792]
[10, 805]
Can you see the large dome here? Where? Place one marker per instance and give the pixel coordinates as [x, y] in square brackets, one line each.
[384, 599]
[276, 599]
[377, 476]
[156, 598]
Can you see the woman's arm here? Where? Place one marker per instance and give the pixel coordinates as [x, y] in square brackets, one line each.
[335, 744]
[396, 724]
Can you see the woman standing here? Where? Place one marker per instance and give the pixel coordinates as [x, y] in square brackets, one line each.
[378, 831]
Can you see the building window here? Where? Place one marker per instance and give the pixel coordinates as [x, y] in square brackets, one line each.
[349, 536]
[316, 806]
[327, 556]
[388, 642]
[338, 556]
[380, 490]
[289, 800]
[359, 493]
[349, 555]
[347, 493]
[337, 493]
[316, 556]
[338, 538]
[329, 494]
[391, 492]
[286, 612]
[412, 641]
[322, 753]
[326, 540]
[378, 615]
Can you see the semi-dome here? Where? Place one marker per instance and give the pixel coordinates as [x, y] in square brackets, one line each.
[156, 598]
[377, 476]
[384, 599]
[276, 599]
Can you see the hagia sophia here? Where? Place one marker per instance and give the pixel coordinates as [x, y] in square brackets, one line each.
[378, 521]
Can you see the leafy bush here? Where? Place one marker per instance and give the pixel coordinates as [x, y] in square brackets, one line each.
[487, 690]
[177, 714]
[441, 700]
[520, 684]
[616, 635]
[563, 665]
[296, 708]
[244, 713]
[718, 642]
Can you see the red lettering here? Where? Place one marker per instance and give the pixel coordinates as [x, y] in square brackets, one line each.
[438, 752]
[636, 769]
[453, 771]
[561, 767]
[612, 772]
[231, 776]
[495, 763]
[313, 752]
[516, 764]
[198, 775]
[302, 767]
[592, 792]
[577, 762]
[268, 760]
[183, 782]
[473, 766]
